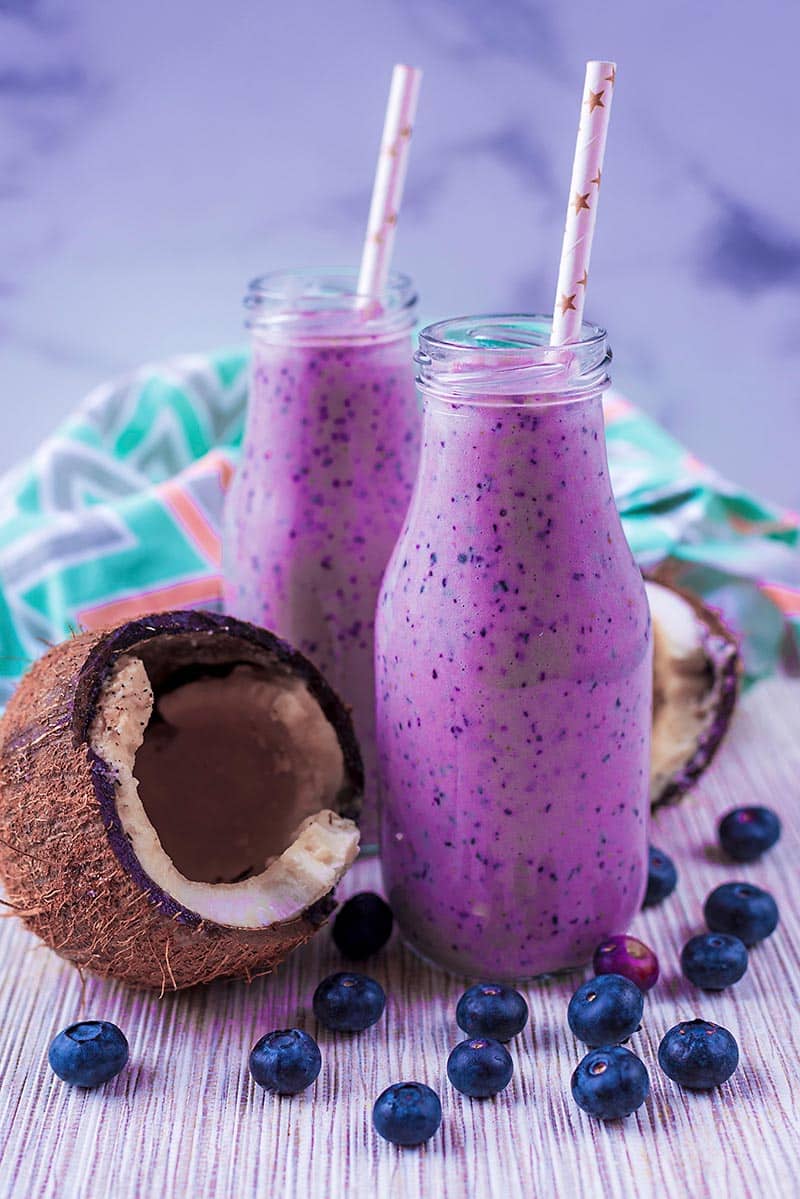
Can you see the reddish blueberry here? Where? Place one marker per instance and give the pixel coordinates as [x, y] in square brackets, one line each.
[629, 957]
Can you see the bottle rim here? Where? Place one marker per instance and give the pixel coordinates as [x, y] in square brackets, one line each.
[323, 304]
[508, 359]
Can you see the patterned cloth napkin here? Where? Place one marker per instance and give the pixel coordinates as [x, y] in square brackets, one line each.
[119, 513]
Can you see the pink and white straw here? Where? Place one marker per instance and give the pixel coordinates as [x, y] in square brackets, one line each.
[587, 169]
[390, 176]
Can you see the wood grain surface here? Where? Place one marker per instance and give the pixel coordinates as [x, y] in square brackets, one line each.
[186, 1120]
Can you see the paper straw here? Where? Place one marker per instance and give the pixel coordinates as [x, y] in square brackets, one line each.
[584, 192]
[390, 175]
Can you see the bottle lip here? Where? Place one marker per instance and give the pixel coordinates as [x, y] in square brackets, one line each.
[323, 304]
[508, 359]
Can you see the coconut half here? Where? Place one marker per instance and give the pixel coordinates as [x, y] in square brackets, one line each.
[178, 799]
[696, 669]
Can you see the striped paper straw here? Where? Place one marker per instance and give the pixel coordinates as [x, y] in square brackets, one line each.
[390, 176]
[584, 192]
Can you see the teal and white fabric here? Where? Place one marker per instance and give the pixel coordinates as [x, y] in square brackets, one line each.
[119, 513]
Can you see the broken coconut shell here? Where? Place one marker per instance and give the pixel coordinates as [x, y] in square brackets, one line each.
[178, 799]
[696, 670]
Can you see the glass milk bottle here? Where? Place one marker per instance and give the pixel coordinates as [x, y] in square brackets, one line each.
[327, 468]
[513, 663]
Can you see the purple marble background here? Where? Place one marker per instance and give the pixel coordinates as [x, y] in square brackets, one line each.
[154, 156]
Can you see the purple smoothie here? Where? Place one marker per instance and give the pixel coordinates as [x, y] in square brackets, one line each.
[327, 468]
[513, 663]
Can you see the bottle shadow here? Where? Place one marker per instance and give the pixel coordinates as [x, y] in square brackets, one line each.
[712, 852]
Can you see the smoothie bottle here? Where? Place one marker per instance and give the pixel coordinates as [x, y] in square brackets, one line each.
[513, 663]
[327, 469]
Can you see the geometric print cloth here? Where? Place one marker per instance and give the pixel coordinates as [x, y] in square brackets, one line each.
[119, 513]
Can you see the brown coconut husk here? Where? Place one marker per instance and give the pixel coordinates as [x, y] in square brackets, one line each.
[60, 846]
[708, 710]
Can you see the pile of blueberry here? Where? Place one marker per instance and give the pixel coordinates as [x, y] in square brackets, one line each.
[408, 1113]
[604, 1012]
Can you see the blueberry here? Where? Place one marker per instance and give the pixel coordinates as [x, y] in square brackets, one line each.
[349, 1002]
[697, 1054]
[285, 1061]
[362, 926]
[605, 1010]
[662, 877]
[626, 956]
[480, 1067]
[610, 1082]
[492, 1010]
[743, 910]
[714, 961]
[746, 833]
[407, 1113]
[89, 1053]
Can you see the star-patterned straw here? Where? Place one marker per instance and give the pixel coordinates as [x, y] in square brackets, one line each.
[390, 176]
[587, 169]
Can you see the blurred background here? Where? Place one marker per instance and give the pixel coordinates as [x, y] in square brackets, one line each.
[155, 156]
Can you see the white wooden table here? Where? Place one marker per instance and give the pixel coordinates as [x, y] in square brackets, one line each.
[185, 1119]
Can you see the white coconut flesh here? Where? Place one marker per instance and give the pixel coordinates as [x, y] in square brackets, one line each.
[225, 787]
[688, 682]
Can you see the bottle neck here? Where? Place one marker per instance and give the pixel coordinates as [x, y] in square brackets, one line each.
[513, 427]
[514, 462]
